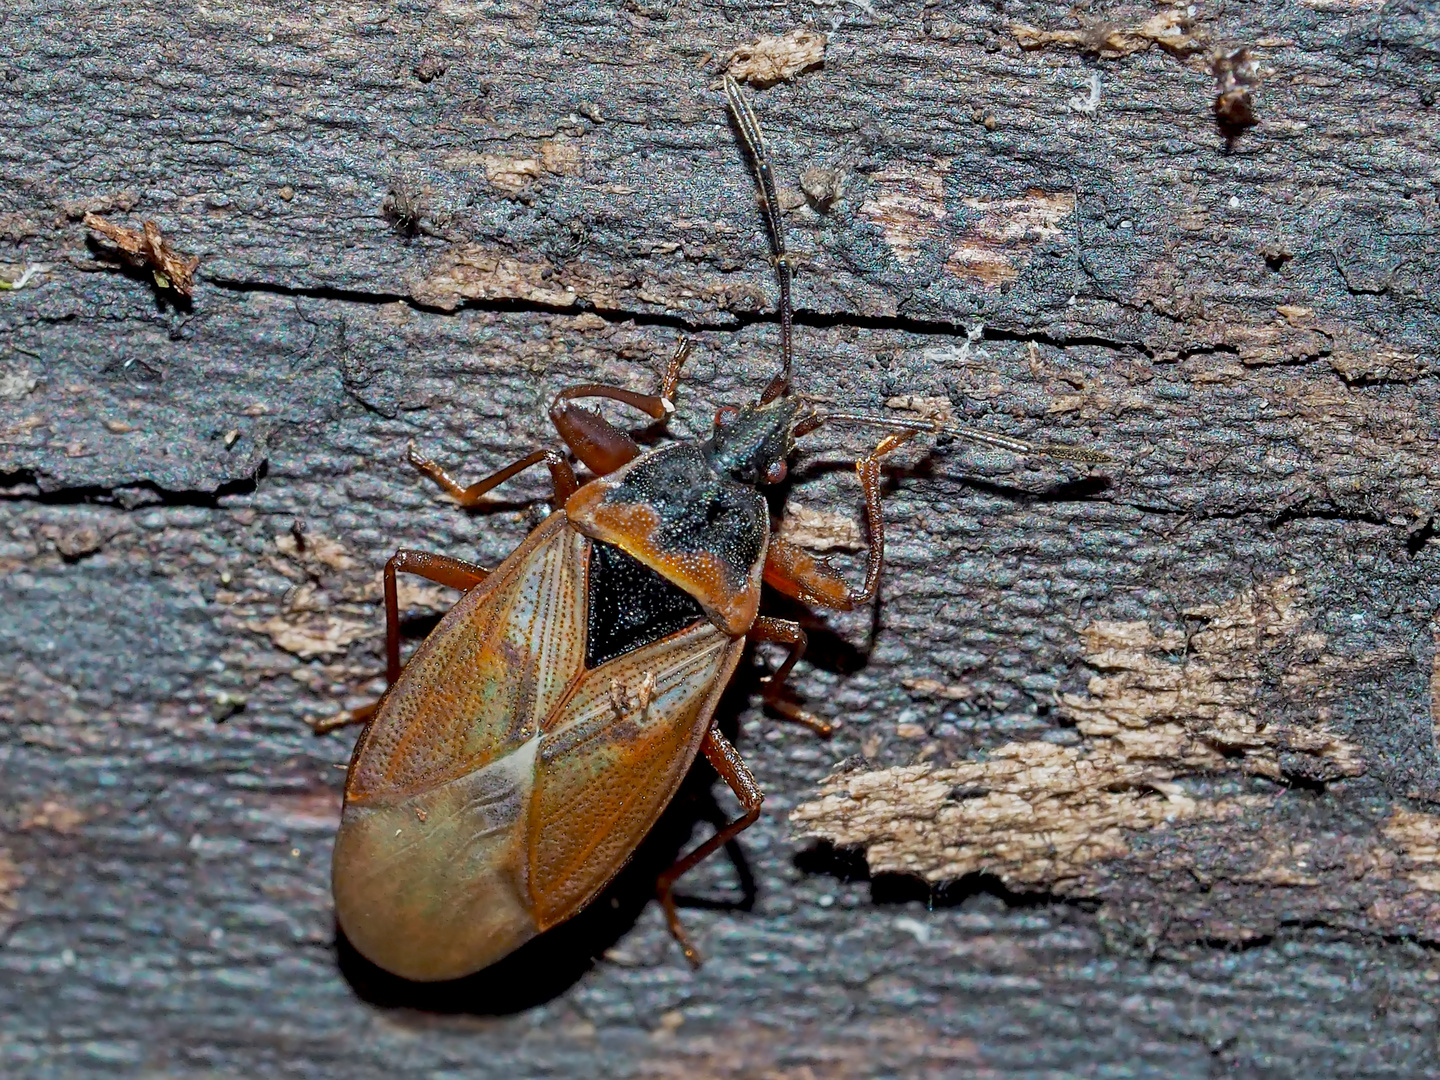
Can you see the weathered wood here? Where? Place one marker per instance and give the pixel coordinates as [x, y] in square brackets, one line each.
[1161, 738]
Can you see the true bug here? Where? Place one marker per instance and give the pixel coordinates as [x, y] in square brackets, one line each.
[530, 743]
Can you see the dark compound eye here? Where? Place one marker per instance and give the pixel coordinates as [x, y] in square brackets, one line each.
[726, 415]
[776, 473]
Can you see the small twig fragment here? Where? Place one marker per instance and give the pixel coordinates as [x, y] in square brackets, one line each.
[172, 269]
[1174, 31]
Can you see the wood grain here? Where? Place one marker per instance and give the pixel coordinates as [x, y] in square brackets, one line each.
[418, 221]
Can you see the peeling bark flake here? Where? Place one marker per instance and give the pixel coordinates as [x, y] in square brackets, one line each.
[993, 249]
[770, 60]
[1038, 814]
[1418, 836]
[10, 881]
[1173, 30]
[908, 206]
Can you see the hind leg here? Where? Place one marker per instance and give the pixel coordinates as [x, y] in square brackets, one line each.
[441, 569]
[726, 761]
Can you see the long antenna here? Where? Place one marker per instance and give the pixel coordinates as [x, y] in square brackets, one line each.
[1057, 451]
[754, 141]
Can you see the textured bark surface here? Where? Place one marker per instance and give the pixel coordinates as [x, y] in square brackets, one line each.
[1143, 758]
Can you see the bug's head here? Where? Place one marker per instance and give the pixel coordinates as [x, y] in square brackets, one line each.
[751, 442]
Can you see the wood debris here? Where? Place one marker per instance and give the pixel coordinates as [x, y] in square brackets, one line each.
[1172, 30]
[10, 881]
[404, 206]
[1237, 75]
[770, 60]
[823, 187]
[172, 269]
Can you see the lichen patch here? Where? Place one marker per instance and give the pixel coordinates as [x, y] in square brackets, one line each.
[993, 249]
[769, 60]
[908, 205]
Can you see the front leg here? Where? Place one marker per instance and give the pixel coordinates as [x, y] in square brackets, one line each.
[599, 444]
[795, 572]
[561, 475]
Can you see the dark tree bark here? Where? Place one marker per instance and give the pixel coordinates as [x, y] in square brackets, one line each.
[1139, 762]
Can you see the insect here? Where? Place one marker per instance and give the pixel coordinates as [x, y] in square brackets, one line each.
[533, 739]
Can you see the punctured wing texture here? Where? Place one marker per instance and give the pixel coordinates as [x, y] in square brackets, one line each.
[603, 778]
[501, 786]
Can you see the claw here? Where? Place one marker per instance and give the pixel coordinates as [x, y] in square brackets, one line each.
[327, 724]
[666, 897]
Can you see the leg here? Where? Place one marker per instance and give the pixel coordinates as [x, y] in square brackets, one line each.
[561, 475]
[727, 762]
[788, 633]
[440, 569]
[599, 445]
[795, 572]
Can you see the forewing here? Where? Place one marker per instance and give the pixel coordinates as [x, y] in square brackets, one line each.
[612, 764]
[502, 659]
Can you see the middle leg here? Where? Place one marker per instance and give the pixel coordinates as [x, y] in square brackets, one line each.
[786, 632]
